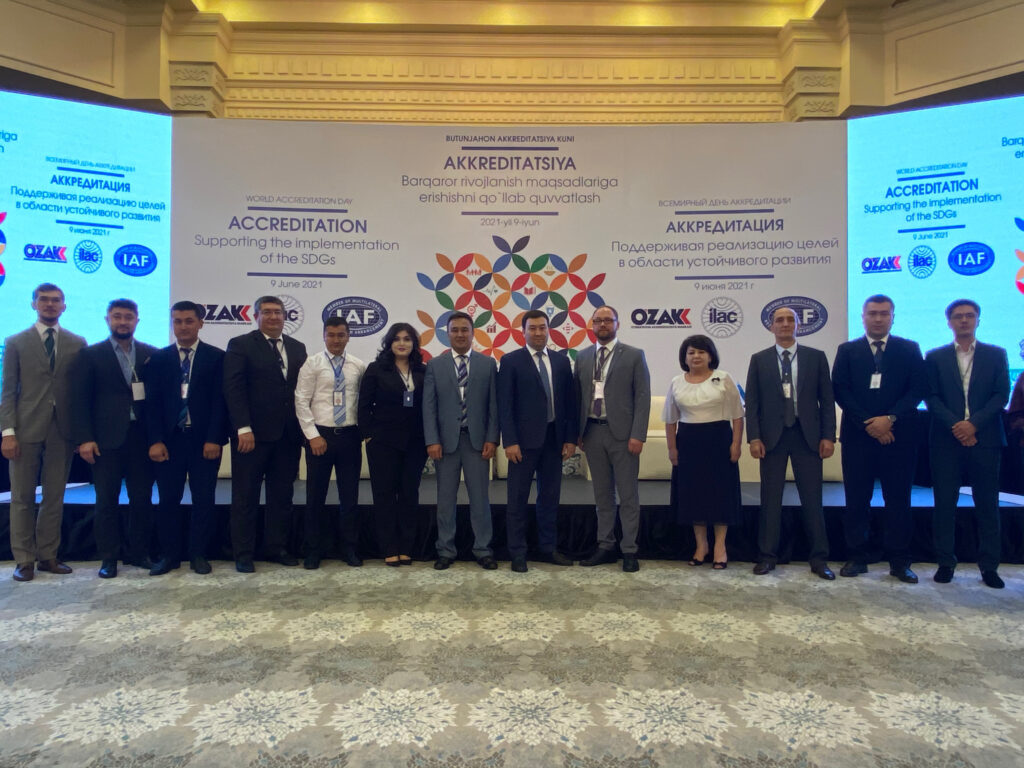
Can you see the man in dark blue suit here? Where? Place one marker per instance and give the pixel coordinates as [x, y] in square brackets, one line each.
[878, 381]
[968, 386]
[538, 416]
[186, 425]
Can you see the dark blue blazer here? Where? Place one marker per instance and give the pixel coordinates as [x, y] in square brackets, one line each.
[522, 413]
[206, 407]
[256, 393]
[987, 393]
[904, 385]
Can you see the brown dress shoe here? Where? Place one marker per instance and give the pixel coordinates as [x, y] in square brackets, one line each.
[24, 572]
[54, 566]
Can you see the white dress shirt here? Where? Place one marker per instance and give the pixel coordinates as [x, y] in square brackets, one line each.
[314, 391]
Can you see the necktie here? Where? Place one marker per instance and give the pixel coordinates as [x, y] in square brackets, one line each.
[338, 364]
[788, 409]
[602, 356]
[878, 355]
[546, 383]
[462, 374]
[49, 345]
[185, 371]
[277, 351]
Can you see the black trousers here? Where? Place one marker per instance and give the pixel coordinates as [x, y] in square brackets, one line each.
[954, 465]
[395, 481]
[185, 460]
[343, 455]
[277, 462]
[121, 532]
[545, 463]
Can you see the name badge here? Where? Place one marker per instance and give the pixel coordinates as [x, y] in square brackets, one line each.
[599, 390]
[876, 381]
[407, 399]
[339, 397]
[787, 390]
[138, 391]
[184, 390]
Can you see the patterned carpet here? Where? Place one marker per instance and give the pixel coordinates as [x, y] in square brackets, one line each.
[569, 667]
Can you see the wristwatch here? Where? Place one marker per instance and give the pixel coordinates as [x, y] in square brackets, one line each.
[891, 418]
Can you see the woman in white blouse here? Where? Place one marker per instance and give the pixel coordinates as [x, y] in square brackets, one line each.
[704, 427]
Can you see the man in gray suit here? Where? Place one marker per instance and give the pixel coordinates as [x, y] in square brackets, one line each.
[613, 387]
[460, 424]
[791, 416]
[35, 419]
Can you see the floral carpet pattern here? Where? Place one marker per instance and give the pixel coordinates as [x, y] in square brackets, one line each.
[465, 668]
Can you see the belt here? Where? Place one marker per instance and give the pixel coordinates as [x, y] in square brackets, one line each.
[597, 421]
[335, 430]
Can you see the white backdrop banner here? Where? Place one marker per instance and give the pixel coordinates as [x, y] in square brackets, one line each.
[685, 229]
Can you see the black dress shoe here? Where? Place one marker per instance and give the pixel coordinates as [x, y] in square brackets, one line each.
[443, 563]
[200, 565]
[108, 569]
[352, 559]
[600, 557]
[630, 563]
[822, 571]
[160, 567]
[519, 564]
[905, 575]
[245, 565]
[763, 567]
[487, 562]
[283, 558]
[311, 563]
[25, 572]
[991, 579]
[853, 568]
[944, 574]
[554, 558]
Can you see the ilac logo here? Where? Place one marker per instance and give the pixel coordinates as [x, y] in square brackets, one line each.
[135, 260]
[46, 253]
[661, 318]
[88, 256]
[922, 261]
[971, 258]
[226, 314]
[722, 317]
[294, 314]
[874, 264]
[364, 316]
[811, 314]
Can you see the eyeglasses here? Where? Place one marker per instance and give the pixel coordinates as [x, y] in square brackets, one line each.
[604, 321]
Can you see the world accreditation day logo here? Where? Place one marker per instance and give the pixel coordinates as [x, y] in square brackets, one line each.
[496, 294]
[1020, 255]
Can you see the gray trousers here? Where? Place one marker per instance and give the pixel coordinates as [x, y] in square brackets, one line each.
[468, 461]
[37, 537]
[613, 468]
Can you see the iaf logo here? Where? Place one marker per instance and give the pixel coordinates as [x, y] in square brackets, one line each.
[810, 313]
[365, 316]
[722, 317]
[135, 260]
[88, 256]
[922, 262]
[971, 259]
[294, 314]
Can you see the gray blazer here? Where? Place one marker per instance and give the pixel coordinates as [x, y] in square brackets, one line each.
[32, 393]
[442, 407]
[627, 390]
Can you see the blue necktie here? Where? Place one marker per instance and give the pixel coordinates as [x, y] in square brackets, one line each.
[339, 386]
[546, 383]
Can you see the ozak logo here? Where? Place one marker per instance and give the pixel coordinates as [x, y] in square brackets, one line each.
[46, 253]
[226, 314]
[661, 318]
[875, 264]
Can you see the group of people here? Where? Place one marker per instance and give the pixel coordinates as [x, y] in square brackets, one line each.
[137, 413]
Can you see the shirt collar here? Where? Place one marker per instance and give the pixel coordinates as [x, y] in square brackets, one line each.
[43, 328]
[884, 340]
[779, 349]
[609, 346]
[117, 345]
[969, 349]
[533, 352]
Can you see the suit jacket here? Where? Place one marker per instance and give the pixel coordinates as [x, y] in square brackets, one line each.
[987, 393]
[101, 399]
[816, 405]
[904, 385]
[522, 414]
[257, 395]
[206, 408]
[442, 406]
[627, 391]
[383, 415]
[32, 394]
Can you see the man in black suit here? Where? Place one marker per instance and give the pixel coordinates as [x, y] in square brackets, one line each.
[260, 371]
[186, 425]
[108, 423]
[539, 423]
[878, 381]
[791, 416]
[968, 386]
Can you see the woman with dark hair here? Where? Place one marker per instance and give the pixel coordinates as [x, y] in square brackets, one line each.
[391, 422]
[704, 427]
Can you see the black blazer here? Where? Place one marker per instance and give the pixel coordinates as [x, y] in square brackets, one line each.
[382, 415]
[904, 385]
[206, 408]
[987, 393]
[257, 395]
[101, 401]
[522, 413]
[816, 405]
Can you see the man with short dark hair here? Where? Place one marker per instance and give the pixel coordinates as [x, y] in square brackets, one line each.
[186, 425]
[109, 424]
[460, 425]
[35, 416]
[539, 423]
[327, 405]
[261, 369]
[968, 386]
